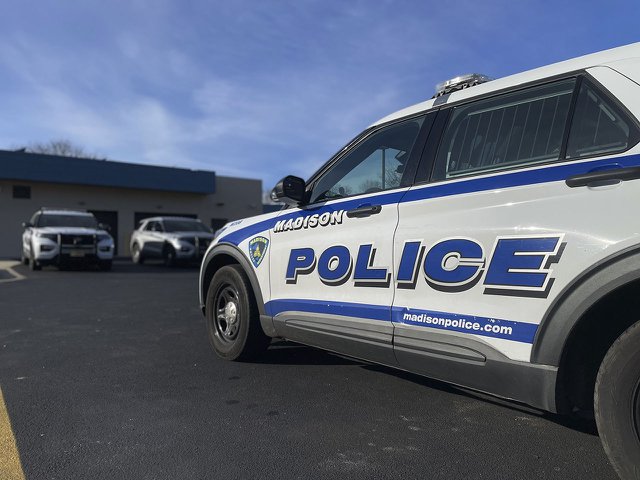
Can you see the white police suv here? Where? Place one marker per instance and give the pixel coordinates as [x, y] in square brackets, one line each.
[62, 237]
[173, 239]
[485, 237]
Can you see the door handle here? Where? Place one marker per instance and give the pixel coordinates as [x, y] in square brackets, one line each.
[599, 178]
[364, 211]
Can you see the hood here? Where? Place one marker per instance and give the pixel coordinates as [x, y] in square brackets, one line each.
[189, 234]
[72, 230]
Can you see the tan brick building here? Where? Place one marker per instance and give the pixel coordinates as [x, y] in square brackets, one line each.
[118, 193]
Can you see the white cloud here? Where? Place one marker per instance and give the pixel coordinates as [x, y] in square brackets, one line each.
[246, 88]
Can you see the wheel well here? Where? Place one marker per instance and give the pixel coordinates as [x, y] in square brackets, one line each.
[213, 266]
[589, 342]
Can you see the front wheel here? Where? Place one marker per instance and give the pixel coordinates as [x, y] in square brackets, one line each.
[136, 254]
[33, 263]
[233, 320]
[617, 403]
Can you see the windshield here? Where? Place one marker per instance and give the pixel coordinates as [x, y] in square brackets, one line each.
[84, 221]
[184, 226]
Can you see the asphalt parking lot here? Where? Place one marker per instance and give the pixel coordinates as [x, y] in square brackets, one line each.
[110, 375]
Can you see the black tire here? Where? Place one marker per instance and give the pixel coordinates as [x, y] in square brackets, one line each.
[233, 320]
[136, 254]
[617, 403]
[24, 260]
[33, 263]
[105, 265]
[169, 256]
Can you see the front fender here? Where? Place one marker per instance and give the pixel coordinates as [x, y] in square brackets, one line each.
[225, 254]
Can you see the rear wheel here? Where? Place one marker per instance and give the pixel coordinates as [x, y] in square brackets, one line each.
[233, 320]
[617, 403]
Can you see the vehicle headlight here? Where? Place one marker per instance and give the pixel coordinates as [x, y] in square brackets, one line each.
[49, 236]
[103, 236]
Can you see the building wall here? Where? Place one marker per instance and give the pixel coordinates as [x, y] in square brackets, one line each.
[234, 198]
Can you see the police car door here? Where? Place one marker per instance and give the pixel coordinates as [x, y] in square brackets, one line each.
[331, 278]
[495, 231]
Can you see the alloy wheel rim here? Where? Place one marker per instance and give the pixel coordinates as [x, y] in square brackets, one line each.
[227, 313]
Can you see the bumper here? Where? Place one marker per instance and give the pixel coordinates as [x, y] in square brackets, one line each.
[189, 253]
[69, 260]
[48, 252]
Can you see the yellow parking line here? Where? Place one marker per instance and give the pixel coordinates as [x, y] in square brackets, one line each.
[10, 466]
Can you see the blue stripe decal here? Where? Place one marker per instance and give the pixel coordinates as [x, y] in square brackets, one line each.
[548, 174]
[545, 174]
[487, 327]
[357, 310]
[251, 230]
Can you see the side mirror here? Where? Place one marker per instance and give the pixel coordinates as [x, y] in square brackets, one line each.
[26, 225]
[289, 190]
[104, 226]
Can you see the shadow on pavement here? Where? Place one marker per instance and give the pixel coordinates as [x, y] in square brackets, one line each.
[584, 425]
[289, 353]
[118, 267]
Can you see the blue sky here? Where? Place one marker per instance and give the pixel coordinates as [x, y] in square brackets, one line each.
[262, 89]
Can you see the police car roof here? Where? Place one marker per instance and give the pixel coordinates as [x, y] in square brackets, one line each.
[578, 63]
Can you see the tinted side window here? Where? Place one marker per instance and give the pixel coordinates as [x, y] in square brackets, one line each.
[376, 164]
[598, 126]
[514, 129]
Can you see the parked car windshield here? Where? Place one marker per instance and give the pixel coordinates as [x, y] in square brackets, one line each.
[184, 226]
[84, 221]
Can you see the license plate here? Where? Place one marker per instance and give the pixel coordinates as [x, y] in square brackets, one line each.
[76, 253]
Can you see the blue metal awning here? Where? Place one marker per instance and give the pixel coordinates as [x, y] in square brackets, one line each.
[34, 167]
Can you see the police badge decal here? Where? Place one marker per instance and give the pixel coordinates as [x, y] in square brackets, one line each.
[257, 250]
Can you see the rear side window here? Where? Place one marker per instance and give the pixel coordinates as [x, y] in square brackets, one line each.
[519, 128]
[598, 127]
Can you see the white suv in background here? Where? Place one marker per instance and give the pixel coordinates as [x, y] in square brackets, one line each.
[171, 239]
[63, 237]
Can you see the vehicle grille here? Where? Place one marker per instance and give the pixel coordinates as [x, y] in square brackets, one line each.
[70, 244]
[77, 240]
[201, 242]
[201, 246]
